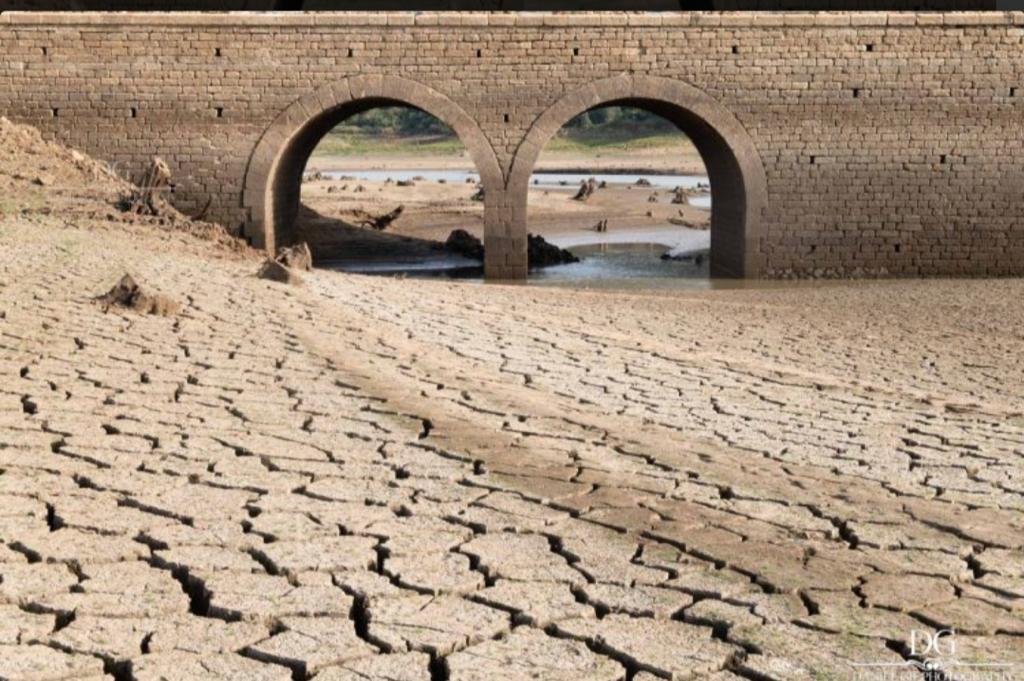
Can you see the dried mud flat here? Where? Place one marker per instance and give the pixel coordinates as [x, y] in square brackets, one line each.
[383, 479]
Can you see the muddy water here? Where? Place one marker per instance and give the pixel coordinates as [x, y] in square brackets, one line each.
[613, 265]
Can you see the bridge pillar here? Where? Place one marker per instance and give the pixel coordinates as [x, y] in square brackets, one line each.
[505, 235]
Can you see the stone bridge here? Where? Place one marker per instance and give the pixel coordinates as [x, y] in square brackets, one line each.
[836, 142]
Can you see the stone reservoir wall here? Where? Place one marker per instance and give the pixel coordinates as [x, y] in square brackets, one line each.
[877, 141]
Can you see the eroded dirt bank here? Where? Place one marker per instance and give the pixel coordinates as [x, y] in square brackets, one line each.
[378, 478]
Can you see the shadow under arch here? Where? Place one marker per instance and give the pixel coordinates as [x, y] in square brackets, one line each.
[738, 183]
[273, 178]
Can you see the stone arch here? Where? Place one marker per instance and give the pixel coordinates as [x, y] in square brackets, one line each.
[273, 177]
[734, 166]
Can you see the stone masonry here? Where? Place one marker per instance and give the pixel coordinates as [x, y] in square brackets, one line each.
[876, 142]
[494, 5]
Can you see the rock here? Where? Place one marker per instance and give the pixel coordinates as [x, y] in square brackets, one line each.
[462, 242]
[405, 183]
[643, 182]
[479, 195]
[540, 253]
[275, 271]
[296, 257]
[697, 257]
[126, 293]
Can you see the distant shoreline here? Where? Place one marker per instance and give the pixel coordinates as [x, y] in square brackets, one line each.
[576, 164]
[617, 170]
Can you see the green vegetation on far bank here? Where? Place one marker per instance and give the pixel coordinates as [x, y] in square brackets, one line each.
[409, 132]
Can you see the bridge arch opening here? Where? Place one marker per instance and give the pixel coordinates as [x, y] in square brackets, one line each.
[733, 165]
[273, 184]
[625, 190]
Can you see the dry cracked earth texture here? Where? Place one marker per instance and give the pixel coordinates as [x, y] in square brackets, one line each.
[369, 478]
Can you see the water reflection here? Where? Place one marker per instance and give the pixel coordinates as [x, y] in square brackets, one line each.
[627, 266]
[606, 265]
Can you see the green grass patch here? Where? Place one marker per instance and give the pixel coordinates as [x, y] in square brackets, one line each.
[616, 141]
[345, 141]
[342, 142]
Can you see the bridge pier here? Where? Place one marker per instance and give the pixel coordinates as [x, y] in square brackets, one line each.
[505, 235]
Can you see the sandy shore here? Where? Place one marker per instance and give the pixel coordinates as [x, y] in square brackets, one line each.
[383, 478]
[432, 210]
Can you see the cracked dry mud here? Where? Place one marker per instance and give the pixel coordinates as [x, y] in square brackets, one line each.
[385, 479]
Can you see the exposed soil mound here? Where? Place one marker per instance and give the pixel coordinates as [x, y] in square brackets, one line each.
[38, 177]
[127, 294]
[30, 161]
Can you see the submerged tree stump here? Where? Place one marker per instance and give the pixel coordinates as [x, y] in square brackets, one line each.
[382, 222]
[149, 195]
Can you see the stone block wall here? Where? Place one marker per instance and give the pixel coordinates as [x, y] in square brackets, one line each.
[497, 5]
[890, 142]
